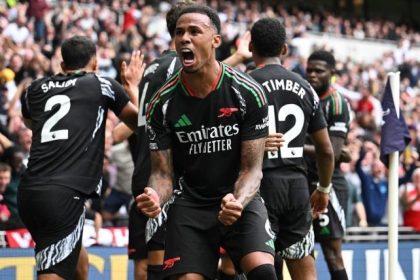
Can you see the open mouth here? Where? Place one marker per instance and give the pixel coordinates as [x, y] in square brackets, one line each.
[187, 57]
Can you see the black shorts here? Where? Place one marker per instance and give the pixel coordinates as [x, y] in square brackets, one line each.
[54, 216]
[288, 203]
[137, 245]
[194, 236]
[332, 223]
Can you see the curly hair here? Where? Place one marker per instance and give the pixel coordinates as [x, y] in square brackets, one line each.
[77, 51]
[323, 55]
[268, 37]
[205, 10]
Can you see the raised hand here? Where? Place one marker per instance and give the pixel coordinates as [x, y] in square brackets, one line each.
[132, 73]
[242, 47]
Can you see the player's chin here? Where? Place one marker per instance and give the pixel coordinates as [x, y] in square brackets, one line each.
[190, 69]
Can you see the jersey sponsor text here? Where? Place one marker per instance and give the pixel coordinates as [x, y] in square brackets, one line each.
[198, 138]
[206, 133]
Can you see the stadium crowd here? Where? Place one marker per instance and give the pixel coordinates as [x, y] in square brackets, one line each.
[31, 33]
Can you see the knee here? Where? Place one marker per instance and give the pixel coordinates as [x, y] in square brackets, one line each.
[264, 271]
[226, 266]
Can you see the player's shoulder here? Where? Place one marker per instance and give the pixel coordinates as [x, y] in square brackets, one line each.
[336, 96]
[236, 76]
[338, 103]
[36, 84]
[244, 85]
[168, 88]
[167, 62]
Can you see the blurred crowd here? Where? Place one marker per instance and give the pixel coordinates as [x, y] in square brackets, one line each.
[31, 33]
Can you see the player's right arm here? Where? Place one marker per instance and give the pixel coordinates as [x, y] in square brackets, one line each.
[159, 188]
[25, 109]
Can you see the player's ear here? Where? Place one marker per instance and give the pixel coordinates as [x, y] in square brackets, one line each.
[251, 47]
[284, 50]
[93, 64]
[63, 66]
[217, 41]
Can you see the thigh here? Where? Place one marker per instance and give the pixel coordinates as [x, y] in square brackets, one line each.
[300, 249]
[331, 223]
[192, 241]
[288, 203]
[251, 233]
[54, 216]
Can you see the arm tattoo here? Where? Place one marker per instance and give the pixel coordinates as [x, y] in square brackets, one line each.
[161, 176]
[250, 175]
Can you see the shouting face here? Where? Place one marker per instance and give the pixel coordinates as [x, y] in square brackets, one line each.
[196, 39]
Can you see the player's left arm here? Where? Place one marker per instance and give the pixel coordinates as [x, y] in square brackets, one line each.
[250, 175]
[254, 131]
[160, 183]
[27, 120]
[339, 116]
[337, 145]
[247, 184]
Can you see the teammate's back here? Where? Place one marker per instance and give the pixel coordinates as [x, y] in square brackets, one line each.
[293, 111]
[69, 113]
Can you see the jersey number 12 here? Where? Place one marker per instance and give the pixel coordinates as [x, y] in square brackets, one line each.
[289, 135]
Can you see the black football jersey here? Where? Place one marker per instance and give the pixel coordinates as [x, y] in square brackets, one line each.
[154, 78]
[205, 134]
[336, 110]
[68, 114]
[293, 110]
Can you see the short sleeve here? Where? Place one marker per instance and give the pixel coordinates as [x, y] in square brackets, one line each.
[114, 93]
[157, 130]
[338, 111]
[255, 124]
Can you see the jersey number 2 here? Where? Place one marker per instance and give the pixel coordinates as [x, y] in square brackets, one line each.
[292, 133]
[48, 135]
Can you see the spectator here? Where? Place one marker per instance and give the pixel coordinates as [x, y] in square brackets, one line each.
[374, 184]
[5, 176]
[120, 192]
[37, 9]
[14, 156]
[410, 200]
[18, 31]
[356, 213]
